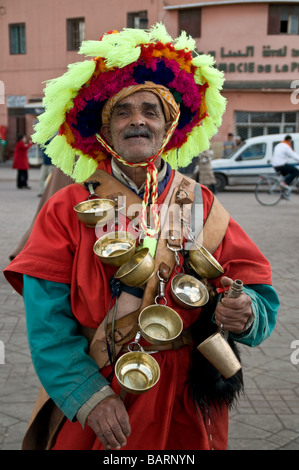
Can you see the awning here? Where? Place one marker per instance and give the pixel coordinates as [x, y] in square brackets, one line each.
[34, 108]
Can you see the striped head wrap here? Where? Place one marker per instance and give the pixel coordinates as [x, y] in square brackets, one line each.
[169, 105]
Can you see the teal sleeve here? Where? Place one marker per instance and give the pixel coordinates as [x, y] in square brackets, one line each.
[265, 305]
[59, 353]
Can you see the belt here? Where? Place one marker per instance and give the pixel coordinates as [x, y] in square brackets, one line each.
[183, 340]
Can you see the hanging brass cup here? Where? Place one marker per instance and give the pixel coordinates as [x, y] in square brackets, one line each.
[95, 211]
[159, 324]
[218, 351]
[137, 372]
[188, 292]
[137, 270]
[115, 248]
[204, 264]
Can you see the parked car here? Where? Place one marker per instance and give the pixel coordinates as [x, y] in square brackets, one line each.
[247, 163]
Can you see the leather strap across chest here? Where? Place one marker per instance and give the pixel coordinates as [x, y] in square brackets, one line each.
[210, 235]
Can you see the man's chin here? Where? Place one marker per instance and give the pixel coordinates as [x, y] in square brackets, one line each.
[137, 153]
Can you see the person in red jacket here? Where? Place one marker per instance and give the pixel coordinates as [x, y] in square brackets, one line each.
[20, 161]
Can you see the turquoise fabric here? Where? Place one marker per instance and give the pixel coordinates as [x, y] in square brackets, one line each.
[59, 353]
[265, 305]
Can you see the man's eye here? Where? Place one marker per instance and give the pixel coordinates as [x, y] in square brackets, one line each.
[122, 113]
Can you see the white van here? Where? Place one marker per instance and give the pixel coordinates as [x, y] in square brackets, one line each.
[247, 163]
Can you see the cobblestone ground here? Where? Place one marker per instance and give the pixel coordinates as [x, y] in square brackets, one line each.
[267, 416]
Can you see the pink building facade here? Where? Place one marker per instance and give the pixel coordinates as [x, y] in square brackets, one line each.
[255, 44]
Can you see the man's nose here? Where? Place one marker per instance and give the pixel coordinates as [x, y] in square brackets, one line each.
[137, 119]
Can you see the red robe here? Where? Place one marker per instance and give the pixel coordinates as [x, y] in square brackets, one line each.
[60, 249]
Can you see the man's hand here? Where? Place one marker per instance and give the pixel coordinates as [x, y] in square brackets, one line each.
[232, 314]
[110, 422]
[127, 303]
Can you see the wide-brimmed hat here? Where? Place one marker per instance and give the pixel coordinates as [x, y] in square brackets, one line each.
[74, 102]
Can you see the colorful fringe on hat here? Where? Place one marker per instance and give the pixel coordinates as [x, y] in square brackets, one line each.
[74, 102]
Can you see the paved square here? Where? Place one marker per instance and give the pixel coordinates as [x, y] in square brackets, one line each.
[267, 417]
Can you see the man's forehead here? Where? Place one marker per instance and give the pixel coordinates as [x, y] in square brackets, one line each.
[140, 98]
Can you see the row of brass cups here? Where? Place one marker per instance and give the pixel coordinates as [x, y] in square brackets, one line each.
[138, 371]
[119, 250]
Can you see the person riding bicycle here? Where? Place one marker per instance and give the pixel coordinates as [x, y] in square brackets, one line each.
[282, 152]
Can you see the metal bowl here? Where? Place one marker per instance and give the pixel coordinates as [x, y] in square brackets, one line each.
[188, 292]
[204, 264]
[95, 211]
[137, 372]
[138, 270]
[159, 324]
[115, 248]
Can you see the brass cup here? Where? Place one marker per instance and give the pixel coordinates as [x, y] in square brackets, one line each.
[159, 324]
[138, 270]
[218, 352]
[204, 264]
[115, 248]
[137, 372]
[188, 292]
[95, 211]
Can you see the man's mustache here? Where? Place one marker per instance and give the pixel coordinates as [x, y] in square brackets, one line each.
[137, 133]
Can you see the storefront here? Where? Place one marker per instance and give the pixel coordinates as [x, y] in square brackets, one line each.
[255, 44]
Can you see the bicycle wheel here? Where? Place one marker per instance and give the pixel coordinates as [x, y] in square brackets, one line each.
[268, 191]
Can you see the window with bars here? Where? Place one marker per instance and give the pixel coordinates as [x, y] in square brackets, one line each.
[137, 19]
[190, 21]
[75, 33]
[253, 124]
[17, 38]
[283, 19]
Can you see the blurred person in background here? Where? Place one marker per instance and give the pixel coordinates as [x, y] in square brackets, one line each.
[206, 174]
[45, 171]
[229, 145]
[282, 152]
[20, 161]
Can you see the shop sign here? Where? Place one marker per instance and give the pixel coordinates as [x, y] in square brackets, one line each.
[16, 101]
[225, 60]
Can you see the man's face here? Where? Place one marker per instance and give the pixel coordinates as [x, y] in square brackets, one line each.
[137, 127]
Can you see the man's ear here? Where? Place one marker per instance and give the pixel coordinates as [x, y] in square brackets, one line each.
[105, 130]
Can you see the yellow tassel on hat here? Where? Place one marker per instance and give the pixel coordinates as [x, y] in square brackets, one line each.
[84, 168]
[61, 154]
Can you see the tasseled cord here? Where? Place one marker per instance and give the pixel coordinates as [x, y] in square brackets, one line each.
[151, 186]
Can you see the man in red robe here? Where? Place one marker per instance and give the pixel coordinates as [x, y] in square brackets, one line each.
[67, 289]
